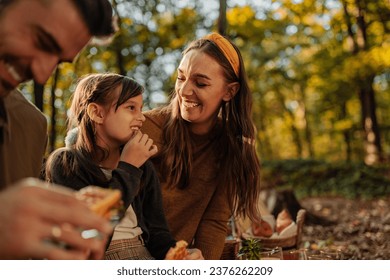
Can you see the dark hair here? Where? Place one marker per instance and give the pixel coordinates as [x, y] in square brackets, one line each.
[239, 166]
[97, 88]
[84, 152]
[4, 4]
[98, 16]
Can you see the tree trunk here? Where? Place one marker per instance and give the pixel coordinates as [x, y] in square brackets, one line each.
[308, 135]
[53, 130]
[373, 147]
[118, 45]
[222, 17]
[372, 141]
[346, 135]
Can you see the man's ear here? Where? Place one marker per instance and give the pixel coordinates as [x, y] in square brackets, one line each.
[95, 112]
[232, 90]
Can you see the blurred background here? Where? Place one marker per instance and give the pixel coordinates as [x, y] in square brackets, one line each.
[318, 69]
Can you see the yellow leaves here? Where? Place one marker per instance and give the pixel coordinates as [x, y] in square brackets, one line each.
[239, 16]
[353, 108]
[127, 21]
[188, 13]
[367, 63]
[66, 68]
[107, 55]
[376, 29]
[281, 13]
[380, 56]
[177, 43]
[166, 18]
[280, 132]
[343, 125]
[174, 30]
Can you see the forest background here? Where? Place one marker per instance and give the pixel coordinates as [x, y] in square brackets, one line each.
[318, 69]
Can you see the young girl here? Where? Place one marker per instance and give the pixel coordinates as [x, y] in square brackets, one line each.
[207, 161]
[110, 151]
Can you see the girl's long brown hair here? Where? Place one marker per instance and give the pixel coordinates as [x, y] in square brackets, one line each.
[239, 166]
[84, 152]
[97, 88]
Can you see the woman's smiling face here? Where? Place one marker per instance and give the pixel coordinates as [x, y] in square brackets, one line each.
[201, 88]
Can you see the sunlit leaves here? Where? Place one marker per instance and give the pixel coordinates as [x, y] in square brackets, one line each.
[239, 16]
[298, 55]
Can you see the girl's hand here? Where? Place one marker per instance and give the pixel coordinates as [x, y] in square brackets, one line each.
[138, 149]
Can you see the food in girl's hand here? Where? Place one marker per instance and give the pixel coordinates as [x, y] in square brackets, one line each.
[179, 252]
[283, 220]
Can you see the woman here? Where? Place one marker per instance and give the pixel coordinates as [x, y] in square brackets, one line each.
[207, 162]
[109, 151]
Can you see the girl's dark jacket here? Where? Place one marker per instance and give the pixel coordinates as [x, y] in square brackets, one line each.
[140, 187]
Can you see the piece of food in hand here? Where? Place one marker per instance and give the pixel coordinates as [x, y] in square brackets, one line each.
[104, 202]
[283, 220]
[179, 252]
[262, 229]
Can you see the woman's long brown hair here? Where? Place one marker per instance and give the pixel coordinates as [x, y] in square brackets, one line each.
[239, 166]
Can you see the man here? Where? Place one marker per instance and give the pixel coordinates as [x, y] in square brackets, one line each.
[36, 35]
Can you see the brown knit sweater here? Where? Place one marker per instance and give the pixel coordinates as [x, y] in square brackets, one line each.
[199, 213]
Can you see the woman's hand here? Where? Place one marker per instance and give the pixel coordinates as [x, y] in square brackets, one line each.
[194, 254]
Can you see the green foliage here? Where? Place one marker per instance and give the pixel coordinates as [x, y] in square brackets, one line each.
[250, 249]
[303, 72]
[316, 178]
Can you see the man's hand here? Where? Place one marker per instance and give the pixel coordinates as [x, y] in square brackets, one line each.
[43, 221]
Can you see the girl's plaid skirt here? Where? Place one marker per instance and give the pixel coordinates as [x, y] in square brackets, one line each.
[128, 249]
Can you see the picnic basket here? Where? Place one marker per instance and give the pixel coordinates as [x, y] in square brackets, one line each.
[232, 245]
[293, 241]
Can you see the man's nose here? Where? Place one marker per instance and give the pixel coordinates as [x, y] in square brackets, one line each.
[42, 67]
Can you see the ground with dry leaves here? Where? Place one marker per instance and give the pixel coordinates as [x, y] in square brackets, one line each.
[361, 229]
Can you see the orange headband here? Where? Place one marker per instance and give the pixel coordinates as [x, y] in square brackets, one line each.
[227, 49]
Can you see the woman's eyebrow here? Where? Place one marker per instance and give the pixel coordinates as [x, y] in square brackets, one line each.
[197, 75]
